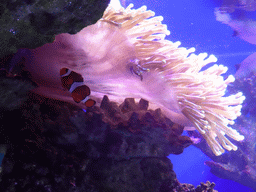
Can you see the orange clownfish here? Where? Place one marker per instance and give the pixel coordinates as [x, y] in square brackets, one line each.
[74, 83]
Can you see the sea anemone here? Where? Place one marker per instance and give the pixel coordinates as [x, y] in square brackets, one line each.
[125, 54]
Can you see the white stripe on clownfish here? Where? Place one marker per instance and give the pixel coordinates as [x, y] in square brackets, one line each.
[66, 74]
[85, 99]
[74, 82]
[75, 85]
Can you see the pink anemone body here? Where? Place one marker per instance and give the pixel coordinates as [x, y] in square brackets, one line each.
[125, 54]
[103, 56]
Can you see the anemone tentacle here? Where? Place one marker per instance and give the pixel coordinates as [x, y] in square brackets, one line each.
[200, 93]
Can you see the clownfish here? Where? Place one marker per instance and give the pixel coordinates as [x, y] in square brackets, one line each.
[74, 83]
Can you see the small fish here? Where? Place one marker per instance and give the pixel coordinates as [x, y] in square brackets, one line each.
[74, 83]
[137, 69]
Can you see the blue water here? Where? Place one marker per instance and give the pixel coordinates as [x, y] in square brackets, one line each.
[189, 168]
[1, 158]
[193, 23]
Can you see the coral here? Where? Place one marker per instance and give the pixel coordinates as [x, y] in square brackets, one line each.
[60, 147]
[200, 93]
[243, 26]
[30, 24]
[167, 76]
[13, 92]
[204, 187]
[239, 166]
[246, 67]
[232, 5]
[13, 86]
[125, 54]
[247, 84]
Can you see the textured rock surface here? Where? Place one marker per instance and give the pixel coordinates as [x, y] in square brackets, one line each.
[55, 146]
[13, 92]
[239, 165]
[32, 23]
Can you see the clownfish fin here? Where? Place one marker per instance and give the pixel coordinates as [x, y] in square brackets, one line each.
[74, 83]
[90, 103]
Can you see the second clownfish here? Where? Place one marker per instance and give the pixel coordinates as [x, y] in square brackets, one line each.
[74, 83]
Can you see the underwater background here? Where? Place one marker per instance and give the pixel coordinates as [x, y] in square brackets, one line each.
[194, 24]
